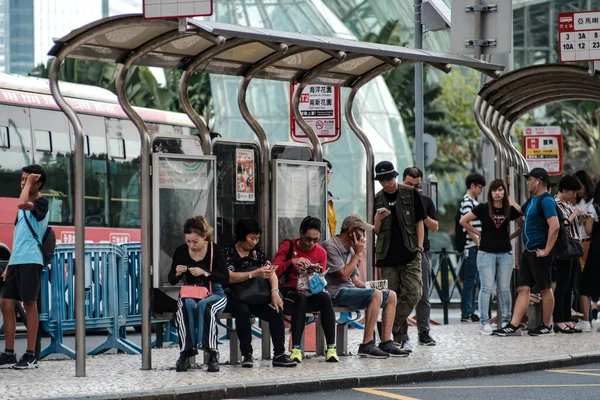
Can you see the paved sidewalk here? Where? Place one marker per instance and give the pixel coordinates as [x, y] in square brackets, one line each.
[461, 351]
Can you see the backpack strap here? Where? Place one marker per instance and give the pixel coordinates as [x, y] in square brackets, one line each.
[35, 236]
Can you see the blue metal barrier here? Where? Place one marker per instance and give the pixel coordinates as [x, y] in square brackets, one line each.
[106, 288]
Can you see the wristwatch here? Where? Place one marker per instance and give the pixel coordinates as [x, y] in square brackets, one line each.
[420, 249]
[249, 275]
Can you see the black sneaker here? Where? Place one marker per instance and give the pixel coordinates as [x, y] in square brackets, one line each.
[507, 330]
[27, 361]
[425, 339]
[393, 350]
[7, 361]
[284, 361]
[183, 363]
[371, 351]
[248, 361]
[541, 330]
[465, 319]
[594, 313]
[475, 318]
[213, 361]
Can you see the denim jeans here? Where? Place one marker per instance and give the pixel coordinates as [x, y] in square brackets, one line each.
[467, 301]
[495, 269]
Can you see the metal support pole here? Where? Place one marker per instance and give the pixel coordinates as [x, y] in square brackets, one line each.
[265, 148]
[79, 211]
[145, 193]
[477, 26]
[364, 139]
[419, 124]
[444, 270]
[184, 83]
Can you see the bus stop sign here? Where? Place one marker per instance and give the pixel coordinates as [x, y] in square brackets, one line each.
[320, 108]
[156, 9]
[543, 148]
[579, 36]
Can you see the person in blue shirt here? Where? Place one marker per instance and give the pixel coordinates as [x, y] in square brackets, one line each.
[539, 234]
[23, 274]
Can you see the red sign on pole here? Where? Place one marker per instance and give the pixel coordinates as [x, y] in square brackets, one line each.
[543, 148]
[320, 108]
[579, 36]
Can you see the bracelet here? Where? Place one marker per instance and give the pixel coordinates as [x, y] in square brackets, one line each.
[275, 290]
[249, 275]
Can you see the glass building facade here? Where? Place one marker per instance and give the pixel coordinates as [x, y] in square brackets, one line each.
[28, 26]
[268, 101]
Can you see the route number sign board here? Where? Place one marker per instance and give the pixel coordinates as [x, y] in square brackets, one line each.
[320, 108]
[579, 36]
[543, 148]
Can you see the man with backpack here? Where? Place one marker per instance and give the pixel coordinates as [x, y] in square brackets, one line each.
[469, 243]
[540, 231]
[23, 274]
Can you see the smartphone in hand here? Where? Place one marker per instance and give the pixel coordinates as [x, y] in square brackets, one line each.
[381, 210]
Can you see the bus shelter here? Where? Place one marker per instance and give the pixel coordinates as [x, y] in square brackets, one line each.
[217, 48]
[503, 101]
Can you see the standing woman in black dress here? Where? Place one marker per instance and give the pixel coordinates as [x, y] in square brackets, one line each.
[590, 278]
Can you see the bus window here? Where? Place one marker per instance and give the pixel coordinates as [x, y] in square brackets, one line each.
[15, 153]
[58, 189]
[97, 197]
[43, 141]
[124, 177]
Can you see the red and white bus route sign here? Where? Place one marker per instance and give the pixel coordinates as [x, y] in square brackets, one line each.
[543, 148]
[579, 36]
[156, 9]
[320, 108]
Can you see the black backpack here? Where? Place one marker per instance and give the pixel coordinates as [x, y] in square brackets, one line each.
[563, 237]
[460, 236]
[48, 243]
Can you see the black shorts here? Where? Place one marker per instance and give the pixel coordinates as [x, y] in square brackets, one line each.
[535, 271]
[23, 282]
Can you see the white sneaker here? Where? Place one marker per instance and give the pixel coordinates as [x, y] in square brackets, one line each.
[486, 329]
[584, 326]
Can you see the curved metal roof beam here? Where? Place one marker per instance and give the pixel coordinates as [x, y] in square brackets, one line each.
[532, 91]
[548, 100]
[364, 139]
[502, 155]
[145, 193]
[509, 159]
[265, 153]
[184, 96]
[479, 110]
[306, 79]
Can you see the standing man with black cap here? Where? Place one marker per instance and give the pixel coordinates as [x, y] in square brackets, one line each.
[399, 216]
[540, 231]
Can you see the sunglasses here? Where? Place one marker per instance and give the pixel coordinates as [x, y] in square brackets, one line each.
[311, 239]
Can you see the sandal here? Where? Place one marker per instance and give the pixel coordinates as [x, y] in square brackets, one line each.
[566, 329]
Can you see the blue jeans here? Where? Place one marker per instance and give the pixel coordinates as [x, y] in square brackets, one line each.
[495, 269]
[471, 276]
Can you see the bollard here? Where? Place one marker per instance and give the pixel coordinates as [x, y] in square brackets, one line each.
[445, 284]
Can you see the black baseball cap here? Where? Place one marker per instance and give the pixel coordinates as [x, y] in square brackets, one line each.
[539, 173]
[384, 171]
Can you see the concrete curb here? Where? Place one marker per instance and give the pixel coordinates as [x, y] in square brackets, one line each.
[346, 381]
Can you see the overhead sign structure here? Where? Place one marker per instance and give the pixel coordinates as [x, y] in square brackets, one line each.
[543, 148]
[579, 36]
[320, 108]
[490, 35]
[155, 9]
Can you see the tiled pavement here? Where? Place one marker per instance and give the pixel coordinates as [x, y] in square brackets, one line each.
[461, 351]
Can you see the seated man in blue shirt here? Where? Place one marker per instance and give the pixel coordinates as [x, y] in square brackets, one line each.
[344, 251]
[540, 231]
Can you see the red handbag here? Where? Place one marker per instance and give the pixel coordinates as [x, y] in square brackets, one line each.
[198, 292]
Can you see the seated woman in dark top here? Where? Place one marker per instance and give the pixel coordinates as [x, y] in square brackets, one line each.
[254, 290]
[200, 263]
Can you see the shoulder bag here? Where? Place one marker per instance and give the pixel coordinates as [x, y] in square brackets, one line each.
[198, 292]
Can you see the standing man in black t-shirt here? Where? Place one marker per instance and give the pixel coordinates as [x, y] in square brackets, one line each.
[399, 216]
[413, 176]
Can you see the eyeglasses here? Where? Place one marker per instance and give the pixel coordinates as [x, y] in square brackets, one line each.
[329, 172]
[312, 239]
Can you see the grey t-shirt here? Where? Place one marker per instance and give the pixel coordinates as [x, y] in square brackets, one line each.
[337, 258]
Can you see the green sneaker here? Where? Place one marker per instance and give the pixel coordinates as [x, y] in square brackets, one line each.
[331, 355]
[296, 355]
